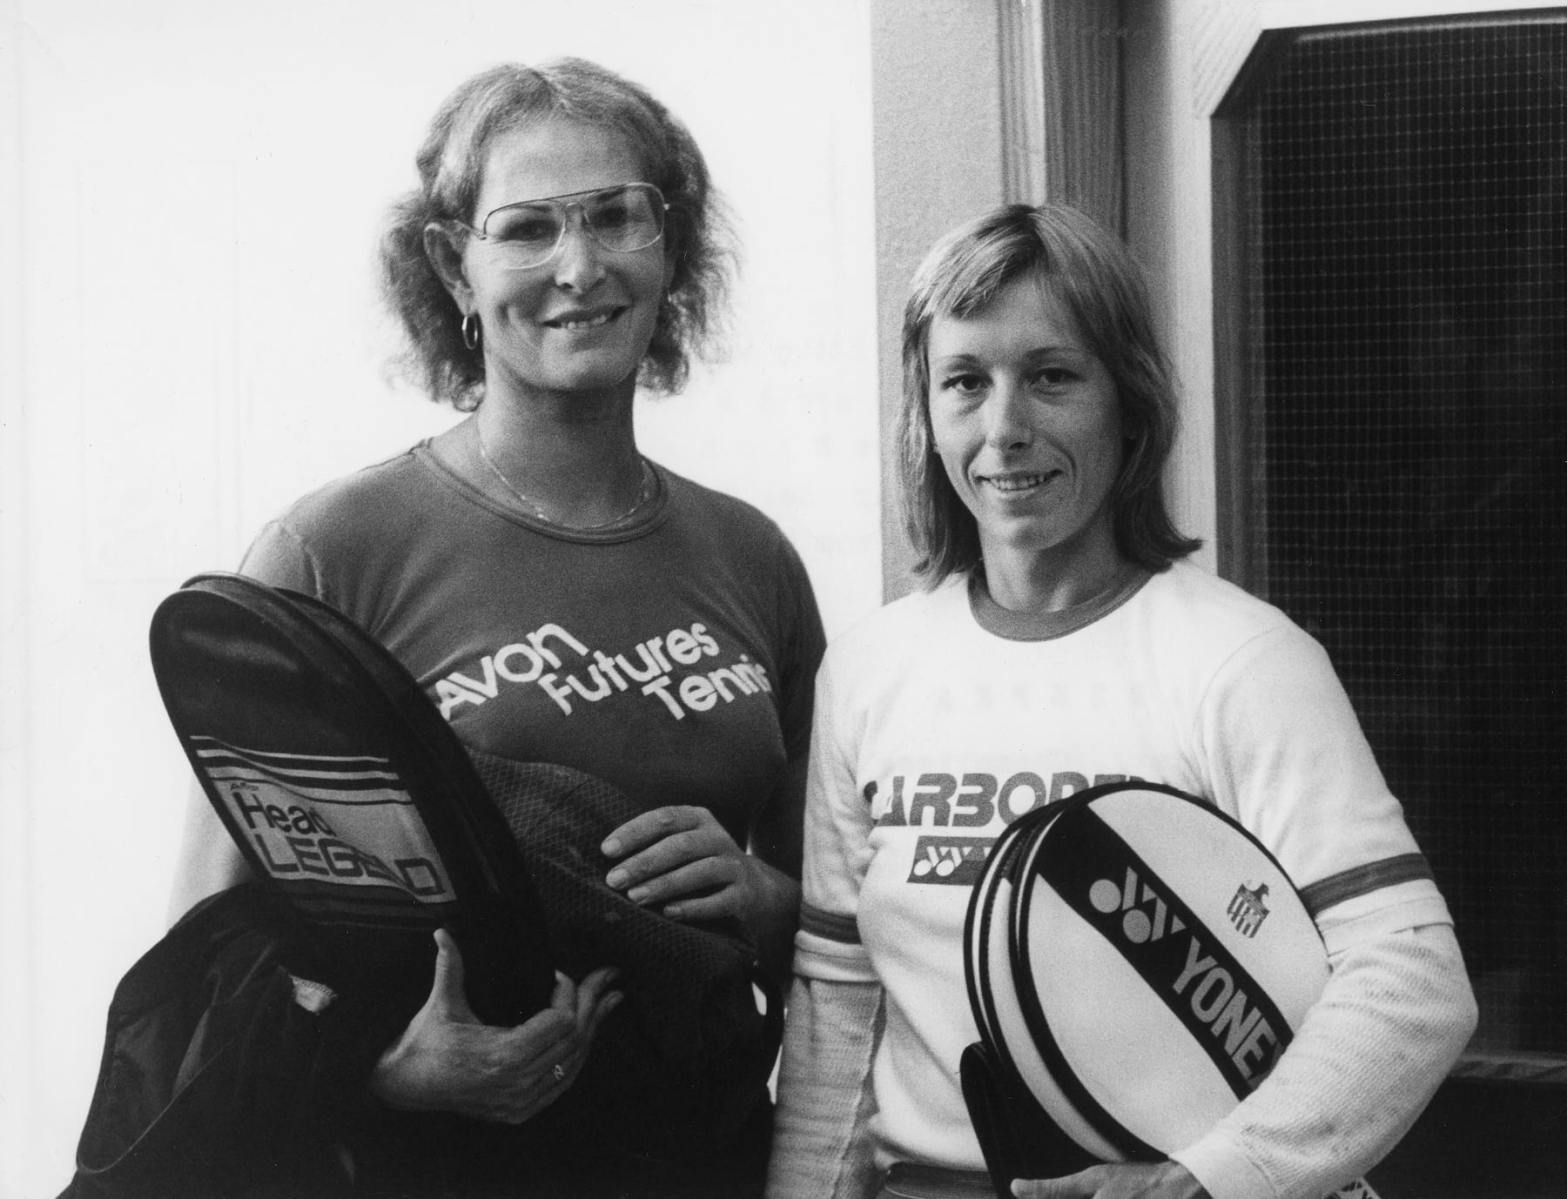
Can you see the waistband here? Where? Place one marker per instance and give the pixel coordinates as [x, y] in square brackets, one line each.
[913, 1180]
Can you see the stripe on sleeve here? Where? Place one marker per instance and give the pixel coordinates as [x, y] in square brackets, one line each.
[829, 925]
[1361, 880]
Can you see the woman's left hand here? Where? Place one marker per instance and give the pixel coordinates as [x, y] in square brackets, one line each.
[680, 861]
[1122, 1180]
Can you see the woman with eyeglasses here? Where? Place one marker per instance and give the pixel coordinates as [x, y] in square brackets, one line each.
[559, 596]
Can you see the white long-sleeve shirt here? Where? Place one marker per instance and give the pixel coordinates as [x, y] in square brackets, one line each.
[938, 722]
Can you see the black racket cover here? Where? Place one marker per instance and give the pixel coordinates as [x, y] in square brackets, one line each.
[348, 794]
[682, 1065]
[291, 715]
[684, 1062]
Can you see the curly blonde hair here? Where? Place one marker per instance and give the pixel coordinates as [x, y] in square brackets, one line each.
[451, 162]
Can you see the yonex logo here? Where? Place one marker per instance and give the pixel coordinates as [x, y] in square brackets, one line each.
[951, 861]
[1139, 924]
[1208, 995]
[1247, 909]
[942, 861]
[1177, 953]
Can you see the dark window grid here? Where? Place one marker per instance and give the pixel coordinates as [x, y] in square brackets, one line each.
[1412, 253]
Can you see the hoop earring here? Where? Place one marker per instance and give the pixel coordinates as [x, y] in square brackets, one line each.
[470, 330]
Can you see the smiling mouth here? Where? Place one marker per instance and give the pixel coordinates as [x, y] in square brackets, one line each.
[1008, 484]
[575, 324]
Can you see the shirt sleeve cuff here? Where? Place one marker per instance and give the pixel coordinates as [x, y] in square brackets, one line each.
[1223, 1170]
[820, 958]
[1369, 917]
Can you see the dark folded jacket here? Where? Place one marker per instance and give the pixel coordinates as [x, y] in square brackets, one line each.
[215, 1080]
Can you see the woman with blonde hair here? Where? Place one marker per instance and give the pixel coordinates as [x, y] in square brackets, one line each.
[1064, 638]
[559, 596]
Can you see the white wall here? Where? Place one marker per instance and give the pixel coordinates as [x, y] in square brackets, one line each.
[937, 102]
[189, 337]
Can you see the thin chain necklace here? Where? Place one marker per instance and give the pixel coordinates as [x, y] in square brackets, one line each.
[645, 493]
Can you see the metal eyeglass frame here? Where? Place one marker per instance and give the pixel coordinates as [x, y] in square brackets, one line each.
[566, 203]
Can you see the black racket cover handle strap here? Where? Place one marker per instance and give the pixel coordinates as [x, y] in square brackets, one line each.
[1016, 1136]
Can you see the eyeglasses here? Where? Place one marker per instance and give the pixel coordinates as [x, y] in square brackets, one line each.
[624, 218]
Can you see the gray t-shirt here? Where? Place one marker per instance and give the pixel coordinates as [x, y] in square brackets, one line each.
[673, 656]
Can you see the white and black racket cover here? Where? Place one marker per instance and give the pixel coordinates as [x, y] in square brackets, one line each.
[348, 794]
[1136, 962]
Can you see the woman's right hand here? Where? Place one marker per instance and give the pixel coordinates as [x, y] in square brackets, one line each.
[448, 1060]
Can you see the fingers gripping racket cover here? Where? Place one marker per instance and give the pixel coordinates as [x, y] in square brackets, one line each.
[686, 1059]
[683, 1063]
[347, 794]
